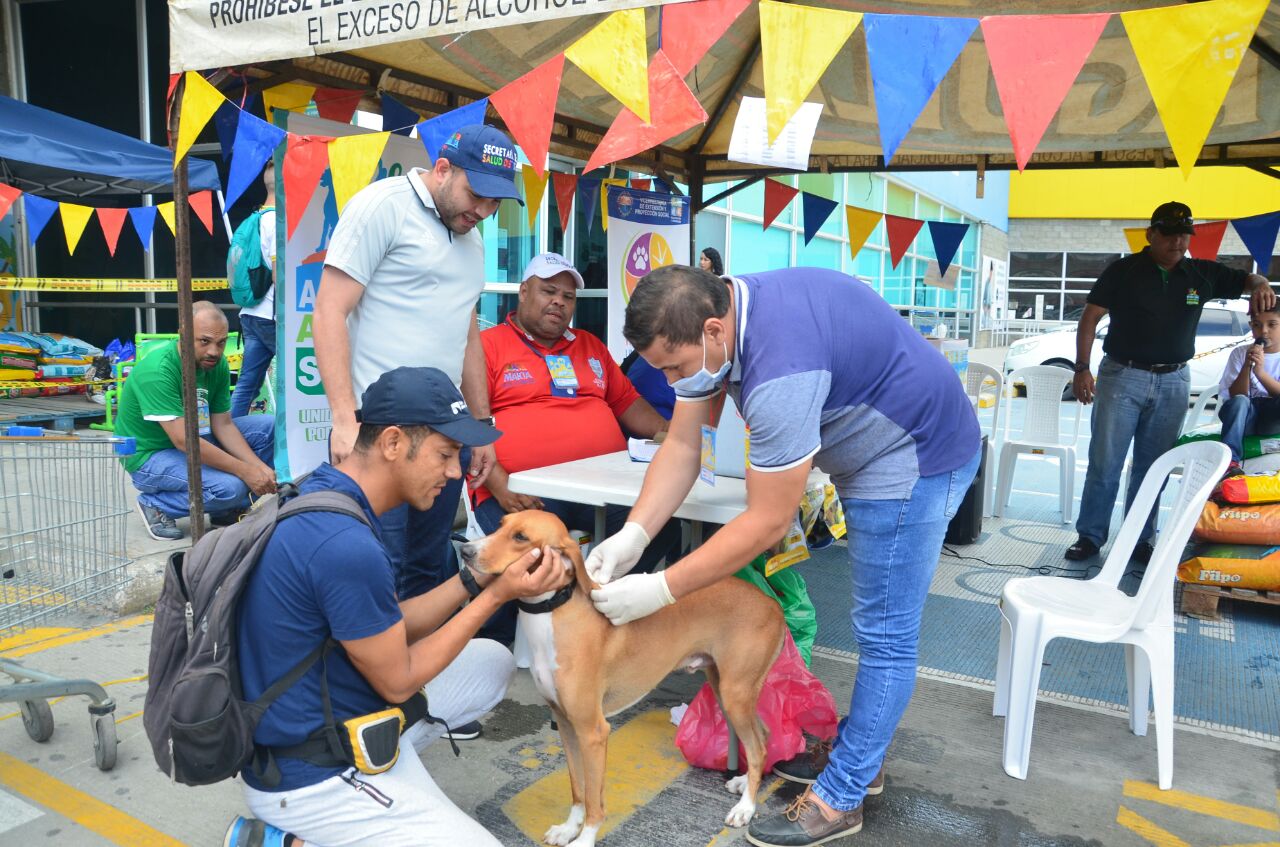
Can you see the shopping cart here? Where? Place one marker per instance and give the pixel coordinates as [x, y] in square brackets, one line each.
[62, 550]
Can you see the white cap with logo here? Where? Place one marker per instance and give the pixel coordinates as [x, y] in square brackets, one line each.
[547, 265]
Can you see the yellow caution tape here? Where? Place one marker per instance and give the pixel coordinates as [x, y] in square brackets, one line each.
[48, 283]
[36, 383]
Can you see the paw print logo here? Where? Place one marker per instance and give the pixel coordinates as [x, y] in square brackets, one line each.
[642, 257]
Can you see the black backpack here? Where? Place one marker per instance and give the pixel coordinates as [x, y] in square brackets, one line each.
[200, 727]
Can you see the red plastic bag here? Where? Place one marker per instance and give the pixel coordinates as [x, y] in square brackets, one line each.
[792, 702]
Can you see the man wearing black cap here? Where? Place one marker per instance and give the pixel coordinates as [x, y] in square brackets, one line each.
[328, 575]
[402, 275]
[1154, 299]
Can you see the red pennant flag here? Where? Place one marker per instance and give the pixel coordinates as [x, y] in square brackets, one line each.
[528, 107]
[337, 104]
[565, 185]
[901, 232]
[305, 159]
[112, 220]
[673, 109]
[202, 204]
[173, 83]
[1035, 60]
[1207, 240]
[689, 29]
[642, 184]
[776, 197]
[8, 194]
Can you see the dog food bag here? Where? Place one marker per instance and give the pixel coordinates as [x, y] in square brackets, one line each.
[1232, 566]
[1253, 446]
[1240, 523]
[1250, 489]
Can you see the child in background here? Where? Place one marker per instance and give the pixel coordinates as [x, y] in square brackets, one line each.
[1249, 393]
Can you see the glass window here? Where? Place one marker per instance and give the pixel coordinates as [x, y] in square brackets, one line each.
[865, 191]
[712, 189]
[494, 307]
[900, 201]
[508, 243]
[754, 250]
[1274, 272]
[1088, 265]
[711, 229]
[928, 210]
[1216, 322]
[867, 266]
[1035, 264]
[1038, 284]
[819, 253]
[1073, 303]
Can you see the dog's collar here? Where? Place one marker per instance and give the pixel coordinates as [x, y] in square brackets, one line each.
[552, 603]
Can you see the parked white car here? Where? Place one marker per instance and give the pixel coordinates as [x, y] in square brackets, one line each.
[1224, 324]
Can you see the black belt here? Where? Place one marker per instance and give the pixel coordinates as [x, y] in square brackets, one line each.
[1155, 369]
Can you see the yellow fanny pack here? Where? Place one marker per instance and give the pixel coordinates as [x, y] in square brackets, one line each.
[372, 741]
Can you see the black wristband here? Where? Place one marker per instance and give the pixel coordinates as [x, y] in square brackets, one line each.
[469, 582]
[1081, 367]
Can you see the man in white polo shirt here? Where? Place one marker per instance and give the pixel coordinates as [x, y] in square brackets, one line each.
[402, 276]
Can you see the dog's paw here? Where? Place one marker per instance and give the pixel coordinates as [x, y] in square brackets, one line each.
[587, 838]
[737, 785]
[741, 814]
[561, 834]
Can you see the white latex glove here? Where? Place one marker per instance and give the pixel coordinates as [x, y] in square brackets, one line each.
[617, 554]
[633, 597]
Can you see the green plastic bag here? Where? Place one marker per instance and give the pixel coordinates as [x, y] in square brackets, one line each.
[788, 588]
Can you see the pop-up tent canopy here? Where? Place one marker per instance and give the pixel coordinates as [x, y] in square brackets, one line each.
[55, 156]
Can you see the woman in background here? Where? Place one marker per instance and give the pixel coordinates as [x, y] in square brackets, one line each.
[711, 261]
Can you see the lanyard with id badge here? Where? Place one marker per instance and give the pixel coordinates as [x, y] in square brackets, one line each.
[564, 381]
[707, 469]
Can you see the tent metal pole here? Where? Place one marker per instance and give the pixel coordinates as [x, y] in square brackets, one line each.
[26, 255]
[144, 132]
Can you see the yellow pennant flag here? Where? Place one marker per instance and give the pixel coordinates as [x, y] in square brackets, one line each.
[166, 212]
[604, 200]
[1189, 54]
[534, 187]
[862, 222]
[1137, 238]
[797, 43]
[615, 54]
[199, 101]
[290, 96]
[353, 160]
[73, 220]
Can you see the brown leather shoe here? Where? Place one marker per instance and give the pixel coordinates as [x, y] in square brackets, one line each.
[805, 767]
[803, 824]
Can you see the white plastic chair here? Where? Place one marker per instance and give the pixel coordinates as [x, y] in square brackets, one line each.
[1035, 610]
[1195, 415]
[1041, 433]
[979, 381]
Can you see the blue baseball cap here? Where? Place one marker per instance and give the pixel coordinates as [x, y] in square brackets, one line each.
[488, 157]
[423, 397]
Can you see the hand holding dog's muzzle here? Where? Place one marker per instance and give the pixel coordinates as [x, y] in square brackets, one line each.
[632, 597]
[534, 573]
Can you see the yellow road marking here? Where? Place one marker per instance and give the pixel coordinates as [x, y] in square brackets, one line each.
[1144, 828]
[643, 760]
[73, 637]
[31, 636]
[764, 795]
[129, 717]
[1233, 812]
[89, 812]
[1255, 844]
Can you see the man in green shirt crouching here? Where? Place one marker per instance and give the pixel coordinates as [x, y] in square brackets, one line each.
[237, 454]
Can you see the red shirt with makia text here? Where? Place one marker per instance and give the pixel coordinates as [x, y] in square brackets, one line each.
[542, 425]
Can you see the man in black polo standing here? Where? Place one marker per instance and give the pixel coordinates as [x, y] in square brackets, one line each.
[1154, 299]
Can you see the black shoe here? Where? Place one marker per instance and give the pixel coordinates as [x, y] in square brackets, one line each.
[1082, 549]
[802, 824]
[806, 767]
[1142, 552]
[466, 732]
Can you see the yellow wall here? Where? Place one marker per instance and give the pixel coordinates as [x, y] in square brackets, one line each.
[1212, 193]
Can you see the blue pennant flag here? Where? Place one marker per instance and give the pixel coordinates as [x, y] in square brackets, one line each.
[816, 209]
[224, 121]
[946, 240]
[256, 142]
[39, 212]
[435, 132]
[1258, 232]
[589, 189]
[397, 117]
[909, 55]
[144, 220]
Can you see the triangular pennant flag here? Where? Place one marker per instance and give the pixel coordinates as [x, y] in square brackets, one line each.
[289, 96]
[776, 197]
[74, 218]
[909, 55]
[1258, 232]
[202, 204]
[815, 209]
[173, 83]
[675, 110]
[528, 107]
[615, 55]
[435, 132]
[397, 117]
[797, 43]
[589, 191]
[1189, 54]
[1035, 60]
[305, 160]
[167, 213]
[353, 162]
[535, 185]
[8, 194]
[1136, 237]
[199, 101]
[862, 222]
[946, 240]
[642, 184]
[143, 219]
[604, 200]
[564, 186]
[111, 221]
[39, 213]
[900, 232]
[337, 104]
[256, 142]
[1207, 239]
[689, 29]
[224, 122]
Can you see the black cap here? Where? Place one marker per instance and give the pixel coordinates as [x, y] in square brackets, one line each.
[423, 397]
[1173, 218]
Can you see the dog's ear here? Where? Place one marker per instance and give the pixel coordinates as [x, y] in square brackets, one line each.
[573, 551]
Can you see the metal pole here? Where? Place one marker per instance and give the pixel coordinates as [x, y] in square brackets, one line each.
[25, 253]
[144, 132]
[186, 332]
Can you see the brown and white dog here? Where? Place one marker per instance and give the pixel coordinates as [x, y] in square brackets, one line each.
[588, 669]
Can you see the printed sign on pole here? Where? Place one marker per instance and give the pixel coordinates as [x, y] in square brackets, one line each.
[647, 230]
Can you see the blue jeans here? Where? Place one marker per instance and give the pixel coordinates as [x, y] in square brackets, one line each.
[418, 542]
[162, 479]
[258, 336]
[1130, 405]
[894, 547]
[1242, 415]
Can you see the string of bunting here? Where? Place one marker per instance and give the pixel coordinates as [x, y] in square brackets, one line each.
[1258, 232]
[103, 286]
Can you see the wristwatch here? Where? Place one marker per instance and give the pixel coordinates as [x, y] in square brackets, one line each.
[1081, 367]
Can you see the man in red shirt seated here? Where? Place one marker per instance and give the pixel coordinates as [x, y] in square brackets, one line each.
[557, 396]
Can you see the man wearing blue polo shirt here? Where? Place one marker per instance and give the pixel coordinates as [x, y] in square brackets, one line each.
[826, 374]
